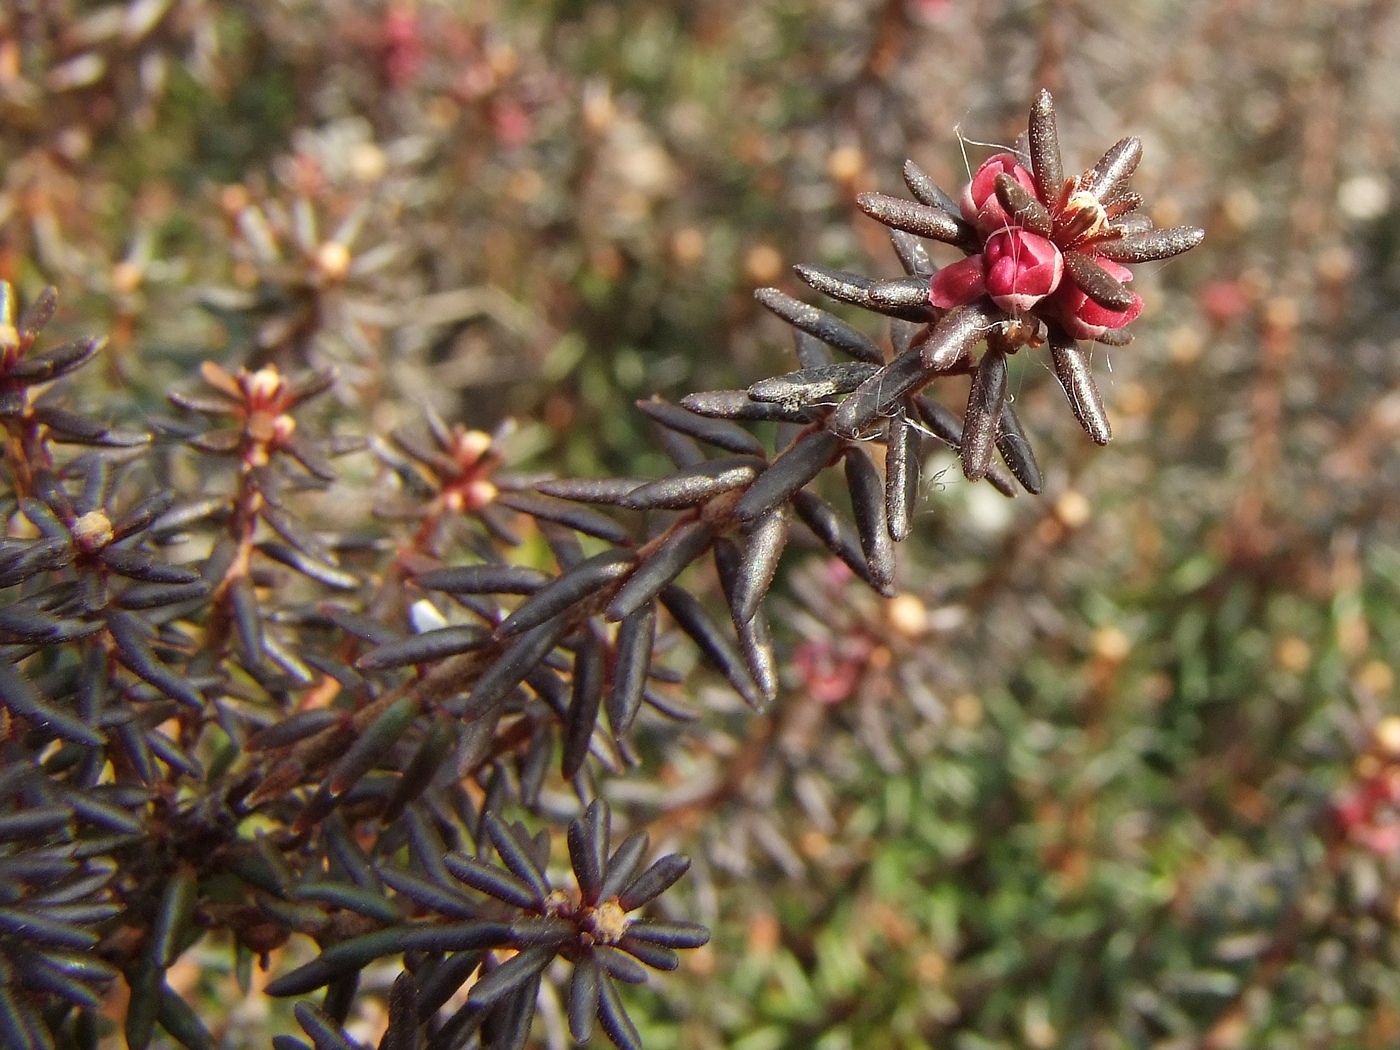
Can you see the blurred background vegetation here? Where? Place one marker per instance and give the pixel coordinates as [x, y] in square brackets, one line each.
[1120, 768]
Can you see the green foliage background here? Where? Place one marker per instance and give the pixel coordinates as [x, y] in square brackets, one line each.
[1079, 788]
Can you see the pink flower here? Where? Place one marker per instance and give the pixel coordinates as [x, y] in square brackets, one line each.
[402, 45]
[979, 198]
[512, 121]
[830, 673]
[1022, 268]
[1367, 815]
[1085, 319]
[962, 282]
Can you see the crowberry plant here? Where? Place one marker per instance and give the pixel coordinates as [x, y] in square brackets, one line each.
[222, 718]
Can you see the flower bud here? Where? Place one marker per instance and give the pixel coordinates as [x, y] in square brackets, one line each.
[1022, 268]
[979, 198]
[1085, 319]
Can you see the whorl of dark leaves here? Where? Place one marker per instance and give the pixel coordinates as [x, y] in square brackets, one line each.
[464, 922]
[55, 898]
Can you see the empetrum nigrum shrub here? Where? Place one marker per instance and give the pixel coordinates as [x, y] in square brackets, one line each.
[220, 717]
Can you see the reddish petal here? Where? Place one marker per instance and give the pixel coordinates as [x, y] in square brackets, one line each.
[961, 283]
[979, 199]
[1116, 270]
[1085, 319]
[1094, 314]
